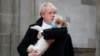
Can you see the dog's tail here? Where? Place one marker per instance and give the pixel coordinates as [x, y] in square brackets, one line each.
[38, 28]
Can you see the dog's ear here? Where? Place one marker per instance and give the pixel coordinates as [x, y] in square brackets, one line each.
[57, 21]
[61, 22]
[64, 23]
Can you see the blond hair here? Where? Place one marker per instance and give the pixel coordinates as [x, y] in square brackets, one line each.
[44, 6]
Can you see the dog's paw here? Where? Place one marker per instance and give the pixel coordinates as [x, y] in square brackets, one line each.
[30, 48]
[38, 28]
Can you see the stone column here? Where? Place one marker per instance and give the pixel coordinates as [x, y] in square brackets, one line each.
[98, 28]
[15, 25]
[5, 27]
[9, 27]
[0, 16]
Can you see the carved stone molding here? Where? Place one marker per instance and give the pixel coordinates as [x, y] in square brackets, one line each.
[84, 51]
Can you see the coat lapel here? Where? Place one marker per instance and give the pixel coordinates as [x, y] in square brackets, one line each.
[39, 22]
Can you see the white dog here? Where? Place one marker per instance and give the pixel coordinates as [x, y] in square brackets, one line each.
[42, 44]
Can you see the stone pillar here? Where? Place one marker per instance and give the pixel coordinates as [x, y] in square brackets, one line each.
[98, 28]
[15, 25]
[9, 27]
[5, 27]
[0, 16]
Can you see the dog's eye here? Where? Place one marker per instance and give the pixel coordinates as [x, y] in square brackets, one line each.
[58, 22]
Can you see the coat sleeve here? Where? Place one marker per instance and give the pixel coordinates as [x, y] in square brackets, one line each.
[28, 39]
[55, 33]
[69, 50]
[61, 34]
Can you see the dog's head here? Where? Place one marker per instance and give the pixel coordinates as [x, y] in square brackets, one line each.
[59, 22]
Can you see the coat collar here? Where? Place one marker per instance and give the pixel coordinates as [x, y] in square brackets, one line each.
[39, 21]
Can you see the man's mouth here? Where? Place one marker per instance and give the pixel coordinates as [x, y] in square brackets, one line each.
[52, 19]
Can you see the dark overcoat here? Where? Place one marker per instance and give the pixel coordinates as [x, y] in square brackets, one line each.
[62, 45]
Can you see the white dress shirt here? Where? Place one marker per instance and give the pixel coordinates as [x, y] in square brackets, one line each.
[45, 26]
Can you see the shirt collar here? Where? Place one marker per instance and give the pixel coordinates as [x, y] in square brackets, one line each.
[45, 25]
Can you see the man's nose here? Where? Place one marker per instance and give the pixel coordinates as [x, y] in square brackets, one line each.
[53, 14]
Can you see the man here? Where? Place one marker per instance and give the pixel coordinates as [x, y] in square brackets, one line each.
[62, 46]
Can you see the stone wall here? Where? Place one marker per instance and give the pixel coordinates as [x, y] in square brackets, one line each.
[82, 14]
[26, 15]
[82, 20]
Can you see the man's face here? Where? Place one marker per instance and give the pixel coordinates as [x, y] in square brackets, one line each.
[49, 15]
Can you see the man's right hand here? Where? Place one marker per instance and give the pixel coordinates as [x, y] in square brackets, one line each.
[34, 53]
[39, 35]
